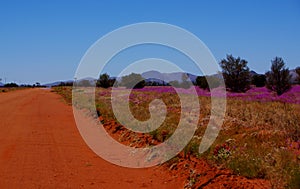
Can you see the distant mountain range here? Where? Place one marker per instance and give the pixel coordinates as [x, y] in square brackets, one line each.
[155, 76]
[57, 83]
[1, 84]
[167, 77]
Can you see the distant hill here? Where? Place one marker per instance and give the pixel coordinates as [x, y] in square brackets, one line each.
[252, 73]
[1, 84]
[167, 77]
[56, 83]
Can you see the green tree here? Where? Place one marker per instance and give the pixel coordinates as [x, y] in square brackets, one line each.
[278, 79]
[105, 81]
[133, 81]
[11, 85]
[259, 80]
[201, 81]
[236, 73]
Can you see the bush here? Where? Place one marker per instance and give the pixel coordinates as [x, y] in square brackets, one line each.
[201, 81]
[236, 73]
[133, 81]
[185, 83]
[61, 84]
[153, 83]
[105, 81]
[11, 85]
[259, 80]
[279, 78]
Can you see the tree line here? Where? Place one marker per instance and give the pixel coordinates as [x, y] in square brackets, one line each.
[238, 79]
[236, 74]
[15, 85]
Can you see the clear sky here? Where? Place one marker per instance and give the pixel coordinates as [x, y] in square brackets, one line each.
[43, 41]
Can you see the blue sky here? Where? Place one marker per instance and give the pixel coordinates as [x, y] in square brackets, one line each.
[43, 41]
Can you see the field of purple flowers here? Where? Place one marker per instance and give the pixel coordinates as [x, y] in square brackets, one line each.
[254, 94]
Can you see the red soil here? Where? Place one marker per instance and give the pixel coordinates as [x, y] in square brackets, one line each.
[40, 147]
[197, 173]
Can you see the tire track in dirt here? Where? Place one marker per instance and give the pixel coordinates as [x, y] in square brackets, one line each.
[40, 147]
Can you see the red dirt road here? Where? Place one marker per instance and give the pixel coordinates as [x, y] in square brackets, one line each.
[40, 147]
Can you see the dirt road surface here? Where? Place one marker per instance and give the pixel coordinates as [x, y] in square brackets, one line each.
[40, 147]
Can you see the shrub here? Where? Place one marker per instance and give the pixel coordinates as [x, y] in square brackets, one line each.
[201, 81]
[11, 85]
[236, 73]
[278, 79]
[222, 152]
[61, 84]
[105, 81]
[154, 83]
[133, 81]
[259, 80]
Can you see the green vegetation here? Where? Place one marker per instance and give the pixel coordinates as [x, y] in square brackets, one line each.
[236, 73]
[105, 81]
[65, 92]
[278, 79]
[133, 81]
[11, 85]
[201, 81]
[258, 80]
